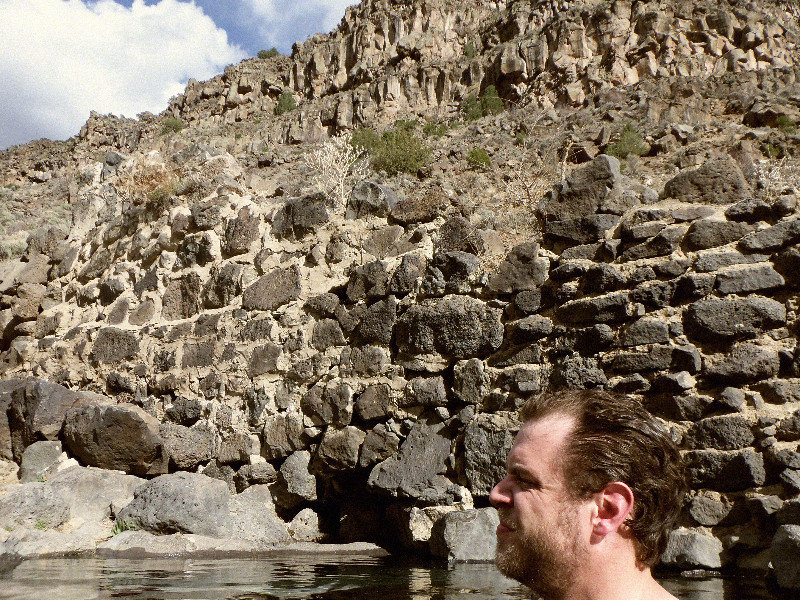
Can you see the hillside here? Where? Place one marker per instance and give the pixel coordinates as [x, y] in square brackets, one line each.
[575, 194]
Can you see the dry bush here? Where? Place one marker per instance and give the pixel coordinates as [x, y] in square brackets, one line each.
[149, 184]
[778, 177]
[337, 166]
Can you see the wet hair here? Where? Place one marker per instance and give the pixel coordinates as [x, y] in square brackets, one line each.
[616, 439]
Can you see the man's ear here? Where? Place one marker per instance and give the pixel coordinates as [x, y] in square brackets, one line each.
[614, 504]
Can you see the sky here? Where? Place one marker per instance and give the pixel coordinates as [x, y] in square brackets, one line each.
[62, 59]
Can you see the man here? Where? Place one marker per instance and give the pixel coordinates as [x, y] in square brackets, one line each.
[594, 486]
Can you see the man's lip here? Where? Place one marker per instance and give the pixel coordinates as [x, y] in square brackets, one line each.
[504, 528]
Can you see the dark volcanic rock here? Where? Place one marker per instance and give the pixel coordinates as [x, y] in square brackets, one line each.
[744, 362]
[718, 181]
[113, 346]
[417, 470]
[772, 238]
[726, 471]
[273, 290]
[724, 319]
[710, 233]
[615, 306]
[242, 232]
[456, 326]
[224, 285]
[521, 270]
[487, 441]
[120, 436]
[583, 192]
[742, 279]
[370, 199]
[300, 216]
[36, 411]
[181, 299]
[368, 281]
[724, 432]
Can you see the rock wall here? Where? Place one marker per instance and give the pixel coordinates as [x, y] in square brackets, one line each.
[367, 366]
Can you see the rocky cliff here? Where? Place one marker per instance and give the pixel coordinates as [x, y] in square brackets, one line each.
[354, 371]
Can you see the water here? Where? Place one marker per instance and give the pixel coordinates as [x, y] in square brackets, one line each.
[311, 576]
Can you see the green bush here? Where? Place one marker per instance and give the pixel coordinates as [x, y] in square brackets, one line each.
[397, 150]
[406, 124]
[478, 158]
[469, 50]
[630, 143]
[286, 103]
[471, 108]
[401, 151]
[172, 125]
[491, 103]
[366, 138]
[268, 53]
[785, 124]
[435, 129]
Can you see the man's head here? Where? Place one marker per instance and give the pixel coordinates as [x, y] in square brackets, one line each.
[584, 464]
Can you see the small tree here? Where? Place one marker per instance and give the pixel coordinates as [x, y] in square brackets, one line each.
[337, 167]
[286, 102]
[268, 53]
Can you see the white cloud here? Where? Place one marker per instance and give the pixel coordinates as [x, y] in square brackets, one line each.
[282, 21]
[64, 58]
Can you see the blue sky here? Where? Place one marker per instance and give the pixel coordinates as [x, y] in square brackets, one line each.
[64, 58]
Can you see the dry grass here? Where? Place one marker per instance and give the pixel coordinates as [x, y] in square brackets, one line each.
[148, 184]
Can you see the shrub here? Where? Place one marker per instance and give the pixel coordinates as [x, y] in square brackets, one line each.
[172, 125]
[469, 50]
[397, 150]
[400, 151]
[367, 139]
[268, 53]
[337, 166]
[286, 103]
[478, 158]
[785, 124]
[406, 124]
[471, 108]
[435, 129]
[630, 143]
[491, 103]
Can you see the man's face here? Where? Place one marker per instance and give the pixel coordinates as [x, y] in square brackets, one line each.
[543, 535]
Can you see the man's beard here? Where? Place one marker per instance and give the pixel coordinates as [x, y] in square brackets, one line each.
[547, 559]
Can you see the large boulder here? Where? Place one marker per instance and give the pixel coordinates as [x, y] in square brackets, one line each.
[718, 181]
[121, 436]
[466, 536]
[417, 470]
[195, 504]
[180, 503]
[37, 409]
[187, 447]
[68, 500]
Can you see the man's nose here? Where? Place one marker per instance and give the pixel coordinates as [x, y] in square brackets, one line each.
[500, 494]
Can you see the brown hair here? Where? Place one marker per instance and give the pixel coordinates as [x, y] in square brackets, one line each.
[616, 439]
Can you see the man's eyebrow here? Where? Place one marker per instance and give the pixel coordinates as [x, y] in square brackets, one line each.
[519, 471]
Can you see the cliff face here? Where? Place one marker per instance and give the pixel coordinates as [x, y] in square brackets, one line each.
[365, 361]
